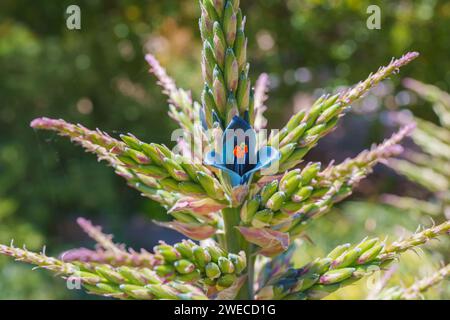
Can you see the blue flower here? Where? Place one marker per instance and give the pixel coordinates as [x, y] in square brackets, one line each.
[239, 158]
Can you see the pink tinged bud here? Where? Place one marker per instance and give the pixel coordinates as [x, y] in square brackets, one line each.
[272, 242]
[198, 206]
[193, 231]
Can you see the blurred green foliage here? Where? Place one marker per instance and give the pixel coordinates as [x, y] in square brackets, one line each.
[97, 76]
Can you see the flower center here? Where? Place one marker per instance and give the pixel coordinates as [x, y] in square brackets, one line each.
[240, 151]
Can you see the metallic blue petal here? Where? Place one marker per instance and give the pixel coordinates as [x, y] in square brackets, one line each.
[214, 160]
[266, 156]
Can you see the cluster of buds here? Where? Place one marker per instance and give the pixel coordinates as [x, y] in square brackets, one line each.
[227, 90]
[188, 262]
[343, 265]
[304, 129]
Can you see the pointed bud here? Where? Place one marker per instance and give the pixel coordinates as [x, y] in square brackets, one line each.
[162, 291]
[226, 280]
[235, 4]
[291, 207]
[152, 171]
[184, 266]
[294, 135]
[191, 189]
[366, 244]
[240, 49]
[131, 141]
[276, 201]
[302, 194]
[202, 256]
[295, 120]
[225, 265]
[202, 207]
[219, 6]
[190, 277]
[243, 93]
[310, 172]
[371, 254]
[346, 259]
[239, 261]
[211, 186]
[329, 113]
[169, 184]
[167, 252]
[249, 209]
[288, 186]
[152, 151]
[137, 156]
[231, 70]
[262, 218]
[175, 170]
[295, 158]
[165, 271]
[232, 108]
[335, 276]
[268, 190]
[219, 44]
[109, 274]
[219, 90]
[229, 24]
[336, 252]
[212, 270]
[215, 253]
[185, 249]
[210, 10]
[286, 151]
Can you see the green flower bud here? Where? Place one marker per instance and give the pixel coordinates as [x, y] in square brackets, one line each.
[291, 207]
[165, 271]
[239, 262]
[167, 252]
[219, 44]
[152, 171]
[276, 201]
[212, 270]
[210, 10]
[215, 253]
[162, 291]
[225, 265]
[152, 151]
[229, 24]
[132, 275]
[240, 49]
[249, 209]
[175, 170]
[202, 256]
[336, 252]
[243, 92]
[190, 188]
[329, 113]
[226, 280]
[232, 107]
[184, 266]
[219, 90]
[268, 190]
[370, 254]
[231, 70]
[366, 244]
[219, 6]
[169, 184]
[235, 4]
[185, 249]
[302, 194]
[127, 160]
[335, 276]
[346, 259]
[131, 141]
[212, 188]
[286, 151]
[295, 158]
[279, 218]
[190, 277]
[209, 60]
[310, 172]
[294, 135]
[109, 274]
[288, 186]
[262, 218]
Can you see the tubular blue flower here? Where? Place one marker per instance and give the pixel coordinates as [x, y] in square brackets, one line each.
[239, 158]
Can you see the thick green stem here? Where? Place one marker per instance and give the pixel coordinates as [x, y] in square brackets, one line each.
[234, 242]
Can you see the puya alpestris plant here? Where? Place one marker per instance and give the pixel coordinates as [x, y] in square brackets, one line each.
[225, 183]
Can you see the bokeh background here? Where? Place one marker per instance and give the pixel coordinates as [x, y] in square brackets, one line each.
[97, 76]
